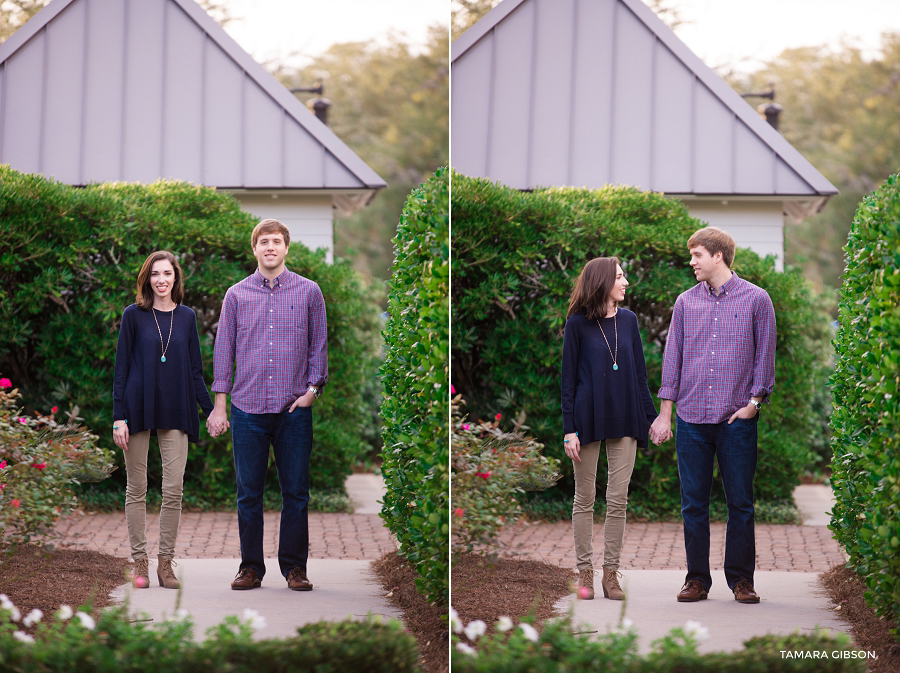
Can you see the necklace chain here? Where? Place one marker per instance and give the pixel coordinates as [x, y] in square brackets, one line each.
[165, 346]
[615, 357]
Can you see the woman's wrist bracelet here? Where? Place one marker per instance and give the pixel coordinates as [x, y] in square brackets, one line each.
[125, 422]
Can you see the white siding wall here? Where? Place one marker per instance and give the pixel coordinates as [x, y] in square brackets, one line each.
[308, 217]
[758, 225]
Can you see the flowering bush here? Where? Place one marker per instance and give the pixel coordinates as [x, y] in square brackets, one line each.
[489, 466]
[39, 458]
[521, 648]
[75, 643]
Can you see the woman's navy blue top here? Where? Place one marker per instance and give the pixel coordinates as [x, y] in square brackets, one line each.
[153, 394]
[598, 402]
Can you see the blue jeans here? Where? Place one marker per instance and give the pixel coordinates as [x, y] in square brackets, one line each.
[290, 435]
[735, 446]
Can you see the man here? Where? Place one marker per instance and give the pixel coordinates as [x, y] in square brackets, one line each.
[719, 366]
[273, 325]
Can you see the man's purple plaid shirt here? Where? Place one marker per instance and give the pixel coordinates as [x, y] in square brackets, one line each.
[277, 334]
[720, 350]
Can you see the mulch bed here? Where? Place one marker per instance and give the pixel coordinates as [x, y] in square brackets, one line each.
[34, 578]
[870, 633]
[426, 622]
[512, 588]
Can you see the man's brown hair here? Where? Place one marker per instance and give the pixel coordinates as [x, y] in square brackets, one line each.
[144, 296]
[270, 227]
[591, 293]
[714, 240]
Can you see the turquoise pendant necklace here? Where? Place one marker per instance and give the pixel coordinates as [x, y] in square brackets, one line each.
[615, 356]
[165, 346]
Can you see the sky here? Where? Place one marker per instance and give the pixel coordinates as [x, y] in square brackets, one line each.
[741, 34]
[293, 31]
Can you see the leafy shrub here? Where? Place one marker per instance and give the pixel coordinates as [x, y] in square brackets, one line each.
[516, 256]
[521, 649]
[39, 459]
[866, 388]
[489, 467]
[69, 260]
[416, 391]
[76, 643]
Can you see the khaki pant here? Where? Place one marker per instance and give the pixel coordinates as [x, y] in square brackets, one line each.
[620, 455]
[173, 447]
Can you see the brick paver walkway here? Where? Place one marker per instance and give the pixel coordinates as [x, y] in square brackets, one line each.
[214, 535]
[660, 546]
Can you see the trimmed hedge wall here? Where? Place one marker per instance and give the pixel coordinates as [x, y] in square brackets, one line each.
[866, 389]
[515, 258]
[69, 260]
[416, 403]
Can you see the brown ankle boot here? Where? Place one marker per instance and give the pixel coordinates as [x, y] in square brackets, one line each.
[165, 574]
[610, 584]
[586, 584]
[140, 573]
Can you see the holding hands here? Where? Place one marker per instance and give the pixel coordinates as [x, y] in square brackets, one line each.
[217, 422]
[661, 430]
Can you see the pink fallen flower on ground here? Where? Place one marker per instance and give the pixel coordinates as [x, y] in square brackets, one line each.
[22, 419]
[483, 475]
[5, 383]
[54, 410]
[465, 426]
[2, 464]
[498, 417]
[458, 511]
[39, 466]
[14, 502]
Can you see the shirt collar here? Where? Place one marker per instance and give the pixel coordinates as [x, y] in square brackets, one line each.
[279, 279]
[729, 285]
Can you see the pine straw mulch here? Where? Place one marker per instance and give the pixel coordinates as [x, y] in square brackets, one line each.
[35, 578]
[845, 589]
[425, 621]
[512, 588]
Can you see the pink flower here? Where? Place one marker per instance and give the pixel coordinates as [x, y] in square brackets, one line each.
[2, 486]
[22, 419]
[54, 410]
[483, 475]
[15, 502]
[39, 466]
[458, 511]
[498, 417]
[452, 389]
[5, 383]
[465, 426]
[2, 464]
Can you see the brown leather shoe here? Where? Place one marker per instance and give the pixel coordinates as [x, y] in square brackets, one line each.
[246, 579]
[140, 574]
[165, 574]
[585, 590]
[298, 581]
[744, 593]
[610, 584]
[692, 591]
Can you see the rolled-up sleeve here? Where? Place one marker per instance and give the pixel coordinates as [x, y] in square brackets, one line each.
[223, 359]
[672, 357]
[317, 353]
[764, 333]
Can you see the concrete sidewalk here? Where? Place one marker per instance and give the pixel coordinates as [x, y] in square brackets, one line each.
[342, 547]
[791, 597]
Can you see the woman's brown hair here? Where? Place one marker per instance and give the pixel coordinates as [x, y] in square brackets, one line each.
[591, 294]
[144, 298]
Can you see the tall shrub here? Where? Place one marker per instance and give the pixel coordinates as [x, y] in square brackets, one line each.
[865, 423]
[416, 406]
[69, 260]
[515, 258]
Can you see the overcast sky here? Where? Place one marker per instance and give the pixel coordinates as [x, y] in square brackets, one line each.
[744, 33]
[278, 29]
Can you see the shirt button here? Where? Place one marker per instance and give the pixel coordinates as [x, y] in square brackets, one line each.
[715, 318]
[271, 309]
[270, 360]
[271, 326]
[270, 343]
[710, 370]
[714, 336]
[713, 352]
[270, 377]
[710, 386]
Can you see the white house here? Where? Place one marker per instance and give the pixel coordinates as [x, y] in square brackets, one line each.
[595, 92]
[137, 90]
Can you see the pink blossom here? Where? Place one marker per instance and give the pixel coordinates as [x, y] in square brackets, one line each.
[465, 426]
[5, 383]
[15, 502]
[458, 511]
[452, 389]
[2, 464]
[39, 466]
[54, 410]
[483, 475]
[498, 417]
[22, 419]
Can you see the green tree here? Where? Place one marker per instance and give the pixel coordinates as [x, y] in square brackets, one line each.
[840, 112]
[391, 106]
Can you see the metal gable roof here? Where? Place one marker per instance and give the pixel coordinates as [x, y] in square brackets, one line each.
[135, 90]
[594, 92]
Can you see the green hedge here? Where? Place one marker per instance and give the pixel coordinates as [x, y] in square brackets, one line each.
[416, 402]
[515, 258]
[866, 389]
[69, 260]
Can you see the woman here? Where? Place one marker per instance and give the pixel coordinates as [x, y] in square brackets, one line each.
[604, 398]
[158, 384]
